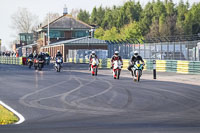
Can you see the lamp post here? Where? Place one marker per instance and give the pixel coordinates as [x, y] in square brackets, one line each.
[48, 30]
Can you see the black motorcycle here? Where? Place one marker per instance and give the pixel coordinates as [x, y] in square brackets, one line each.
[30, 62]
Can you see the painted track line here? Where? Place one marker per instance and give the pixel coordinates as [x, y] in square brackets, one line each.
[21, 118]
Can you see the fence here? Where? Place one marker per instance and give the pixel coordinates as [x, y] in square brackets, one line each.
[191, 67]
[187, 50]
[11, 60]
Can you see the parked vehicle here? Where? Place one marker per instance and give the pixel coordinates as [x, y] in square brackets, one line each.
[117, 69]
[94, 66]
[58, 63]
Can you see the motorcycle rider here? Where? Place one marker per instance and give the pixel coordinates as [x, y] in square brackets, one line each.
[135, 58]
[92, 55]
[116, 57]
[30, 55]
[41, 55]
[35, 54]
[59, 54]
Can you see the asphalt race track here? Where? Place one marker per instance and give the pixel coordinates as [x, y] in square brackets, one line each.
[75, 102]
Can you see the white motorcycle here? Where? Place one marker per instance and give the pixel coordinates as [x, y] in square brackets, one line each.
[94, 66]
[58, 64]
[117, 66]
[137, 70]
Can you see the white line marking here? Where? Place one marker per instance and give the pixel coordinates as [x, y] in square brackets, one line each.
[21, 118]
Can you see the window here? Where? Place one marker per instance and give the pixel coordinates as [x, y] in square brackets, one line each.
[22, 38]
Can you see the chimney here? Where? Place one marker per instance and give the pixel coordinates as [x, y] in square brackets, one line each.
[65, 12]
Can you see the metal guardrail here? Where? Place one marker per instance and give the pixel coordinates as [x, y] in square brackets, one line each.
[11, 60]
[186, 67]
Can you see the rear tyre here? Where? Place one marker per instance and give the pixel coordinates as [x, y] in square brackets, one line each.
[29, 65]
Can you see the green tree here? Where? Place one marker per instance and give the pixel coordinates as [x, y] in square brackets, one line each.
[131, 31]
[84, 16]
[93, 19]
[111, 34]
[99, 33]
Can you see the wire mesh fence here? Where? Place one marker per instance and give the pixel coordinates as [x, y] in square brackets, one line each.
[187, 50]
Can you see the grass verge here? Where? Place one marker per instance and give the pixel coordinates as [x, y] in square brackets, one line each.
[7, 117]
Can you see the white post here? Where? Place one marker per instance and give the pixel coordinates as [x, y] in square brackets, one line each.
[48, 30]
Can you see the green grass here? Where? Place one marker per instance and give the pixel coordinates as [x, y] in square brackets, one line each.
[7, 117]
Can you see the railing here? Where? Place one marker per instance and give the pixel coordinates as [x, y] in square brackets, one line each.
[11, 60]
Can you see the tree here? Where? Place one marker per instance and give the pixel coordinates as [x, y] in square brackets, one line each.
[75, 12]
[93, 19]
[131, 31]
[84, 16]
[23, 21]
[51, 17]
[111, 34]
[99, 33]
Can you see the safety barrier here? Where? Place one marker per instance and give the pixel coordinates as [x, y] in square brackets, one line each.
[11, 60]
[191, 67]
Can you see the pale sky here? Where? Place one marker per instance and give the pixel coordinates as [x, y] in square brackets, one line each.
[42, 7]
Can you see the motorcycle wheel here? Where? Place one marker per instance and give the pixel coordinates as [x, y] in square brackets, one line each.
[40, 67]
[58, 68]
[138, 74]
[96, 72]
[118, 74]
[35, 68]
[92, 71]
[29, 65]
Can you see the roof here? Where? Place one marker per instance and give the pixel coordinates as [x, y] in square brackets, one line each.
[67, 22]
[80, 41]
[30, 45]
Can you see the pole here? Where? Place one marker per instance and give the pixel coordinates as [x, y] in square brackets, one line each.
[48, 30]
[154, 69]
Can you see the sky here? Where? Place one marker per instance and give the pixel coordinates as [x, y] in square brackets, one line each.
[41, 7]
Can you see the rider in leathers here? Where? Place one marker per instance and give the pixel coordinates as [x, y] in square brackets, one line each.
[135, 58]
[93, 55]
[116, 57]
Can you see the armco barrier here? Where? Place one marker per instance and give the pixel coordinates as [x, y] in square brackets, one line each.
[191, 67]
[11, 60]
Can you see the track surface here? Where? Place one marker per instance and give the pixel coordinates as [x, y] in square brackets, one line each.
[75, 102]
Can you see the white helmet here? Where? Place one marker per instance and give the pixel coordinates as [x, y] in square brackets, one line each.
[136, 53]
[93, 52]
[116, 52]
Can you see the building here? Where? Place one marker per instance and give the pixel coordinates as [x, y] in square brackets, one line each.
[63, 28]
[0, 45]
[83, 43]
[26, 38]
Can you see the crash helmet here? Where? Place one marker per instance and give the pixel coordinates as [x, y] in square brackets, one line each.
[58, 51]
[135, 53]
[116, 52]
[93, 52]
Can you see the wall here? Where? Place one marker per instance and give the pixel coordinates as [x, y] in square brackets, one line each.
[186, 67]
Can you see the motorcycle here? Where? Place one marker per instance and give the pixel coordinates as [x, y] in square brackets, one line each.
[94, 66]
[58, 64]
[117, 66]
[137, 69]
[38, 63]
[30, 62]
[47, 60]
